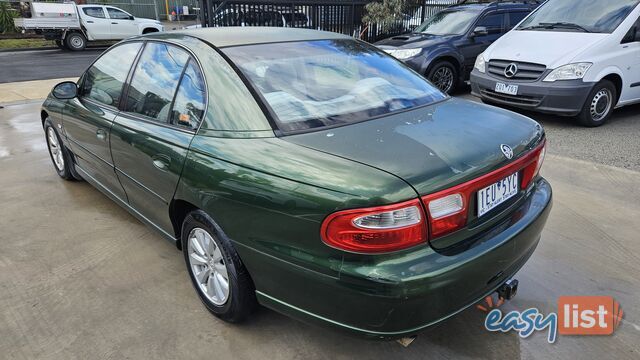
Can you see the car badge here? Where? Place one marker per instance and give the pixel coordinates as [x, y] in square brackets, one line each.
[511, 70]
[507, 151]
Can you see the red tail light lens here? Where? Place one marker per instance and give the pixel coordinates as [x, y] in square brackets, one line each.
[376, 230]
[533, 169]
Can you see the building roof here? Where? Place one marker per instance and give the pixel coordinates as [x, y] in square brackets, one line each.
[249, 35]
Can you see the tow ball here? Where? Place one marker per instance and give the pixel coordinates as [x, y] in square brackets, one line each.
[508, 290]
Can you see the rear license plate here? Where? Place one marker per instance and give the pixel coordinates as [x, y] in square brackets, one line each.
[507, 89]
[496, 194]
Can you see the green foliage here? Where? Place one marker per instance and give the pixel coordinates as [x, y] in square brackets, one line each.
[385, 12]
[6, 18]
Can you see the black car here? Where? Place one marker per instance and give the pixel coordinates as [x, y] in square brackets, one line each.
[444, 48]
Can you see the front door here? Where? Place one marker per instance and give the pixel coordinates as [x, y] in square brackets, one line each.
[628, 56]
[88, 118]
[123, 25]
[151, 137]
[474, 45]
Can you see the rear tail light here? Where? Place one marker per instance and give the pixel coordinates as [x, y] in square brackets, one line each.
[532, 170]
[376, 230]
[395, 227]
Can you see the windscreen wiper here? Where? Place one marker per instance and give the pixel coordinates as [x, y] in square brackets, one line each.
[557, 25]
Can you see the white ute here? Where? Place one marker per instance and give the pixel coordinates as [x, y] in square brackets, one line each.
[72, 26]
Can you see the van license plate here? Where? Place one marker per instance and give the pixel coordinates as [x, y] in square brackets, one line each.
[507, 89]
[497, 193]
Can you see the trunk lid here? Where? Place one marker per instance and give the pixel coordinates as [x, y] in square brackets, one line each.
[434, 147]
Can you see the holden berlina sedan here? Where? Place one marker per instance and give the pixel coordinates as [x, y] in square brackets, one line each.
[308, 172]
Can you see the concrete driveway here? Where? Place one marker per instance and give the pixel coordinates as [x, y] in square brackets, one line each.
[82, 279]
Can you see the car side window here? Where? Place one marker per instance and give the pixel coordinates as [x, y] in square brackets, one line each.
[188, 106]
[155, 81]
[516, 17]
[633, 35]
[493, 22]
[96, 12]
[118, 14]
[104, 80]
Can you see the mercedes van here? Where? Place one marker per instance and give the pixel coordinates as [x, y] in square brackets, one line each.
[573, 58]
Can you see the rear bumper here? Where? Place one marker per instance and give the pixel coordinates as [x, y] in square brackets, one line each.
[398, 295]
[560, 97]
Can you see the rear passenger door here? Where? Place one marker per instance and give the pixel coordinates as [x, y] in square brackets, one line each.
[88, 118]
[150, 137]
[96, 22]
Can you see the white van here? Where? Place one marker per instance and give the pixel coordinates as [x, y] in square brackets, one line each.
[569, 57]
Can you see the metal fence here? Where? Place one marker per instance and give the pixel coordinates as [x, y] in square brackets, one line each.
[139, 8]
[342, 16]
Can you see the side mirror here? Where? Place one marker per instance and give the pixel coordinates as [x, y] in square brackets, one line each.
[480, 31]
[131, 17]
[65, 90]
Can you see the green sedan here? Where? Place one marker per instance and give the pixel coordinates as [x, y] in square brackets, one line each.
[307, 172]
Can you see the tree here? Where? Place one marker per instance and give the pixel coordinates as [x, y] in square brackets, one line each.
[386, 12]
[6, 18]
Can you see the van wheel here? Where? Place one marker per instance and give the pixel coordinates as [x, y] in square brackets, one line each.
[444, 76]
[599, 105]
[215, 269]
[76, 41]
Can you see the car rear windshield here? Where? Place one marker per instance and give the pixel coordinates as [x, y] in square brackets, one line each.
[449, 22]
[315, 84]
[596, 16]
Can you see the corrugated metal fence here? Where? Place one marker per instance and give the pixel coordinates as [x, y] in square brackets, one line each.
[342, 16]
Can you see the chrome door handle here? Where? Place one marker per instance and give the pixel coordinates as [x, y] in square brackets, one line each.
[160, 164]
[101, 134]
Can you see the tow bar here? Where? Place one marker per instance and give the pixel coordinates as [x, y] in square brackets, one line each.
[508, 290]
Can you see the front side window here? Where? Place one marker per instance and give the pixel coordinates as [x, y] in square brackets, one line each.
[96, 12]
[104, 80]
[448, 22]
[155, 81]
[188, 107]
[597, 16]
[118, 14]
[493, 23]
[321, 83]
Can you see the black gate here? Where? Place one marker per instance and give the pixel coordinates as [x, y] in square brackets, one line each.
[342, 16]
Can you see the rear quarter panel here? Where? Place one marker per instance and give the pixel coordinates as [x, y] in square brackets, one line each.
[270, 198]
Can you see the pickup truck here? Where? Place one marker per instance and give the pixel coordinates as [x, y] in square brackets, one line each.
[72, 26]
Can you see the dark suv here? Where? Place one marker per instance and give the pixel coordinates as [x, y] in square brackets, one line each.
[444, 48]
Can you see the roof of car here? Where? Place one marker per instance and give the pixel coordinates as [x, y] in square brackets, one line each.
[250, 35]
[499, 4]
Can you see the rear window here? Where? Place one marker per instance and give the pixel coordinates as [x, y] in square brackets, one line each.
[322, 83]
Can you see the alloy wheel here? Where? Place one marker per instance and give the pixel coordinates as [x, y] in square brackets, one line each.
[55, 149]
[443, 79]
[208, 266]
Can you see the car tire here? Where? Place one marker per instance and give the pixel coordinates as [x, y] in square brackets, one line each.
[444, 76]
[75, 41]
[599, 105]
[211, 259]
[60, 155]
